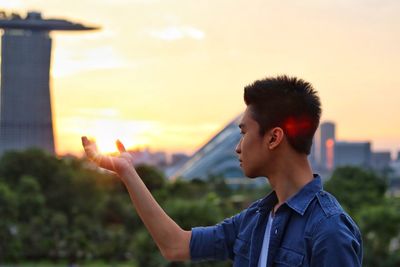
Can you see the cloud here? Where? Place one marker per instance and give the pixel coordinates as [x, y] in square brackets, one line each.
[7, 4]
[173, 33]
[69, 62]
[128, 2]
[98, 112]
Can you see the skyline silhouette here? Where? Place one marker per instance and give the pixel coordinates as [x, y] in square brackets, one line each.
[169, 75]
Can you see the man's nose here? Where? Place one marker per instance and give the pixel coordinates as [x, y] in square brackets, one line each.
[238, 149]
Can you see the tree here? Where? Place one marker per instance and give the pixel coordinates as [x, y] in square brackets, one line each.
[355, 188]
[31, 201]
[151, 176]
[33, 162]
[380, 226]
[362, 194]
[31, 210]
[9, 241]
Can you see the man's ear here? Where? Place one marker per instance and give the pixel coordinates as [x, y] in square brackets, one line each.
[275, 137]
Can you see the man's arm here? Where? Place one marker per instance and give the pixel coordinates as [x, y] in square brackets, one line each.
[171, 239]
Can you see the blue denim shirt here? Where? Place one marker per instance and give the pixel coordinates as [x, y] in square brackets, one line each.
[309, 229]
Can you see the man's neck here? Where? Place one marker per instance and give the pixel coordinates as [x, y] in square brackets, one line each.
[292, 176]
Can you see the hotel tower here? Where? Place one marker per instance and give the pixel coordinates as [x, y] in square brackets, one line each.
[25, 99]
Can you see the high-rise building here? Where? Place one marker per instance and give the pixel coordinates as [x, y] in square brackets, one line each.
[326, 138]
[313, 152]
[380, 160]
[352, 153]
[25, 99]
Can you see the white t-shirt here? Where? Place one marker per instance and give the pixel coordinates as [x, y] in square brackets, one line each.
[262, 261]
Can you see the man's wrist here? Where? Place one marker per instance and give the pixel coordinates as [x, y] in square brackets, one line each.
[127, 173]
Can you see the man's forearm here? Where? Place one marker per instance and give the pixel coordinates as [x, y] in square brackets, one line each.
[171, 239]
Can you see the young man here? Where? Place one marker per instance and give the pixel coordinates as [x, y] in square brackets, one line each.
[298, 224]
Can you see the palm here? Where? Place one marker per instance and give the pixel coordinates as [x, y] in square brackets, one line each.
[116, 164]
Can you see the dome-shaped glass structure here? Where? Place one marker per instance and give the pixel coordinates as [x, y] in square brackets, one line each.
[216, 158]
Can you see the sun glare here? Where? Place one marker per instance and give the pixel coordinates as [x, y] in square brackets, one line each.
[106, 141]
[131, 134]
[105, 131]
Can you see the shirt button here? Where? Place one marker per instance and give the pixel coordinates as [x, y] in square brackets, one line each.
[276, 231]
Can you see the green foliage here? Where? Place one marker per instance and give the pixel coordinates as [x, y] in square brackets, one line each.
[380, 227]
[31, 201]
[362, 194]
[145, 250]
[8, 204]
[191, 213]
[33, 162]
[9, 243]
[153, 178]
[66, 211]
[355, 188]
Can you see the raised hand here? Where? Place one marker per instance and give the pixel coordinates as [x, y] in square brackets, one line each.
[172, 240]
[117, 164]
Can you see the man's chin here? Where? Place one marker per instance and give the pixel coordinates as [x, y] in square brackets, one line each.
[251, 175]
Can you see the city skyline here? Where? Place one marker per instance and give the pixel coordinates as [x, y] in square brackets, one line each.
[156, 74]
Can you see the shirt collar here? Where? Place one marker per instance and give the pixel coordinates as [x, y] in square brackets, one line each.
[302, 199]
[298, 202]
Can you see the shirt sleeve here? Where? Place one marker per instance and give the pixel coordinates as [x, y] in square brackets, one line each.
[337, 242]
[215, 242]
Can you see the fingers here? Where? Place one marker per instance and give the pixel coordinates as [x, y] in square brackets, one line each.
[122, 150]
[120, 146]
[85, 141]
[107, 162]
[93, 155]
[90, 147]
[86, 145]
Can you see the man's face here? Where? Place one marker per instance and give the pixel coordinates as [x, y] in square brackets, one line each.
[252, 148]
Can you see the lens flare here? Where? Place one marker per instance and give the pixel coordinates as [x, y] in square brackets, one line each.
[298, 126]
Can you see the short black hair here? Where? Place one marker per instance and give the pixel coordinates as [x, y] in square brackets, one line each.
[286, 102]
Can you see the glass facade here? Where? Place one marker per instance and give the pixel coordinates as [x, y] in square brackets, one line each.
[217, 158]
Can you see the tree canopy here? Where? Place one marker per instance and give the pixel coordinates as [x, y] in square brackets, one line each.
[64, 209]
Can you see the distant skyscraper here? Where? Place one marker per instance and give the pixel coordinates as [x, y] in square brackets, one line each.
[313, 152]
[352, 153]
[25, 101]
[380, 160]
[326, 140]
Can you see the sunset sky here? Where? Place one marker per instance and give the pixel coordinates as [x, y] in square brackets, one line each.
[168, 74]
